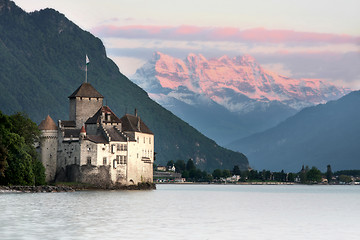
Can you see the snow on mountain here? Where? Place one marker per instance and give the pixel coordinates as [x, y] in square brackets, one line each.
[225, 79]
[236, 97]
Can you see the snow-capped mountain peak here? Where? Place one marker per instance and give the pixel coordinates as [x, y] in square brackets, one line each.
[225, 80]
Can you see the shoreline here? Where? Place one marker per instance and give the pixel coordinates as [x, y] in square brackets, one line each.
[73, 188]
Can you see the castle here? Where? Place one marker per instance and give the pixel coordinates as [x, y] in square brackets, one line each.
[95, 146]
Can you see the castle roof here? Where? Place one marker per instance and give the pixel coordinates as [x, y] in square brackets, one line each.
[130, 123]
[68, 133]
[106, 111]
[48, 124]
[86, 90]
[82, 130]
[114, 134]
[97, 139]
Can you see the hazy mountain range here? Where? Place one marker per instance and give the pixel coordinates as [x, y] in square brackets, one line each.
[316, 136]
[42, 57]
[228, 98]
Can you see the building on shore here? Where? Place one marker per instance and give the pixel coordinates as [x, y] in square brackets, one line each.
[95, 146]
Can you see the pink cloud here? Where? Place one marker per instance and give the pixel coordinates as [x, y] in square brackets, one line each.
[191, 33]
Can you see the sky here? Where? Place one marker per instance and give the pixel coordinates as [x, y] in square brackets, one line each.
[300, 39]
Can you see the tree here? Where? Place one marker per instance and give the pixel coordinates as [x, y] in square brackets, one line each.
[291, 177]
[314, 175]
[329, 174]
[302, 174]
[19, 163]
[170, 163]
[217, 173]
[190, 165]
[236, 170]
[226, 173]
[180, 166]
[254, 175]
[185, 174]
[344, 178]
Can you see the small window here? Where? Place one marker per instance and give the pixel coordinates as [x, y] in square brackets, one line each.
[114, 164]
[104, 161]
[88, 161]
[137, 139]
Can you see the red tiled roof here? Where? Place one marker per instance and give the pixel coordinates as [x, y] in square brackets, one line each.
[48, 124]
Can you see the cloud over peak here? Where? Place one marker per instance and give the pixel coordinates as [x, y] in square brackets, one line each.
[231, 34]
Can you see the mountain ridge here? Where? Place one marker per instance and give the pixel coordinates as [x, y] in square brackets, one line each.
[316, 136]
[252, 98]
[43, 61]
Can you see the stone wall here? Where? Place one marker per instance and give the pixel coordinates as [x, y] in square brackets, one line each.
[95, 175]
[83, 108]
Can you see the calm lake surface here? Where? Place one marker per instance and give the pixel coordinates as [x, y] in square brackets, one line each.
[185, 212]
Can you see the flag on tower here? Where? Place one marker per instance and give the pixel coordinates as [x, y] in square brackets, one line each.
[87, 60]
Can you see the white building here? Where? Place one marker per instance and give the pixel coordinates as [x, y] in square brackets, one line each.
[95, 146]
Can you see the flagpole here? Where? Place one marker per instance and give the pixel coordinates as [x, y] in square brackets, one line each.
[87, 61]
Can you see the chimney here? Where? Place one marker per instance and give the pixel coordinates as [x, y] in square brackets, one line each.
[135, 112]
[138, 124]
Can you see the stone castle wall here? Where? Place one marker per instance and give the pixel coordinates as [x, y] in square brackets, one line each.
[82, 108]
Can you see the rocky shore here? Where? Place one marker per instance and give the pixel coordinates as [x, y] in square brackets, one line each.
[33, 189]
[73, 187]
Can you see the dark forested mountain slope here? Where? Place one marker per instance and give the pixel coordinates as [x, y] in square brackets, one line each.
[42, 56]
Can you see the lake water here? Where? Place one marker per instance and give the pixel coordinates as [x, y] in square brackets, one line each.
[185, 212]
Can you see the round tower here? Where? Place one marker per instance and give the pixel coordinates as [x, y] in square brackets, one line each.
[49, 147]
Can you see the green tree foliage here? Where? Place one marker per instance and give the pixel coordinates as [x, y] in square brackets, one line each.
[170, 163]
[354, 173]
[291, 177]
[266, 175]
[19, 164]
[217, 173]
[226, 173]
[303, 175]
[190, 165]
[180, 166]
[344, 178]
[329, 174]
[314, 175]
[236, 170]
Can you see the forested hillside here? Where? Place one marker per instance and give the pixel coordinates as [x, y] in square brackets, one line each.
[42, 57]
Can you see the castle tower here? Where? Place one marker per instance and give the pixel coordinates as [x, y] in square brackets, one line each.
[84, 103]
[49, 147]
